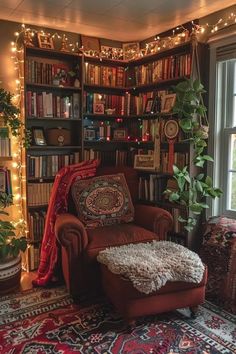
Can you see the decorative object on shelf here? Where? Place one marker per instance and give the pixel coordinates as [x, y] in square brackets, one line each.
[144, 162]
[28, 38]
[192, 190]
[171, 131]
[38, 136]
[90, 44]
[149, 106]
[90, 133]
[120, 134]
[58, 136]
[98, 108]
[111, 52]
[75, 74]
[45, 41]
[110, 111]
[168, 102]
[64, 44]
[130, 50]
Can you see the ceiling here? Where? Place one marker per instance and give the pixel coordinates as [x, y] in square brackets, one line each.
[124, 20]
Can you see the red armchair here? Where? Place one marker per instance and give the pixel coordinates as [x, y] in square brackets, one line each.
[80, 246]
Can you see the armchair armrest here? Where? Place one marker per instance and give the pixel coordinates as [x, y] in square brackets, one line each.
[71, 233]
[154, 219]
[72, 236]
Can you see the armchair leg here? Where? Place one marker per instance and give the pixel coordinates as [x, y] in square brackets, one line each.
[193, 311]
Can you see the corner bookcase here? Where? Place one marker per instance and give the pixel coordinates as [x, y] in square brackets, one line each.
[107, 117]
[53, 114]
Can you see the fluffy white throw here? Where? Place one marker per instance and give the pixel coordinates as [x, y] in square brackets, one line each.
[150, 265]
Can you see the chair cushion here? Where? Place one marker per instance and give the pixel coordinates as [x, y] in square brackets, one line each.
[103, 200]
[116, 235]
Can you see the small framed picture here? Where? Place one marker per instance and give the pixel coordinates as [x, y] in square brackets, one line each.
[89, 134]
[168, 102]
[98, 108]
[90, 43]
[149, 106]
[120, 134]
[45, 41]
[130, 50]
[144, 162]
[38, 136]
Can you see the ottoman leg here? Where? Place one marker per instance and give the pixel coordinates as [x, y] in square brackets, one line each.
[193, 311]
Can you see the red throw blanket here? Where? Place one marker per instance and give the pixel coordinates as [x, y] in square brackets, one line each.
[58, 205]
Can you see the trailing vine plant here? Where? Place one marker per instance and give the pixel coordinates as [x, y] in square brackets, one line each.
[192, 190]
[10, 116]
[10, 245]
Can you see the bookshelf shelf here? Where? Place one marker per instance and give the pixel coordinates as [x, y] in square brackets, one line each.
[99, 88]
[38, 119]
[52, 87]
[158, 85]
[49, 147]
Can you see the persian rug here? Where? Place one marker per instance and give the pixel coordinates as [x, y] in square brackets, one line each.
[46, 321]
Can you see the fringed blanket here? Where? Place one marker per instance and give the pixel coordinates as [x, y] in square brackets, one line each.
[58, 205]
[150, 265]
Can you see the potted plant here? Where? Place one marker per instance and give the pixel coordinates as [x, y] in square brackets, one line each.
[10, 245]
[193, 189]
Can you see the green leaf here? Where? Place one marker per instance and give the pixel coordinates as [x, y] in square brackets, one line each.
[175, 169]
[196, 208]
[208, 158]
[208, 181]
[174, 197]
[200, 176]
[199, 186]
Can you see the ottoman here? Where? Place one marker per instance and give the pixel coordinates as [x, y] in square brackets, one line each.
[149, 278]
[131, 303]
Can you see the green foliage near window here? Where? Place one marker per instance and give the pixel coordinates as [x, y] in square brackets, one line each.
[10, 245]
[192, 190]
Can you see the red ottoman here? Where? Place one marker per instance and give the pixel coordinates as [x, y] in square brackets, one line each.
[131, 303]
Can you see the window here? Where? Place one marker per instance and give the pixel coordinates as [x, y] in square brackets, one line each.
[225, 147]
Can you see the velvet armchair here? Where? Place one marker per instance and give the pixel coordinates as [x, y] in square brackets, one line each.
[80, 246]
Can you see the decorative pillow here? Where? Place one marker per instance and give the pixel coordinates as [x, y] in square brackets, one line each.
[103, 200]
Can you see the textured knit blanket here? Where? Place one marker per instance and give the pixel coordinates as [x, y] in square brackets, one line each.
[150, 265]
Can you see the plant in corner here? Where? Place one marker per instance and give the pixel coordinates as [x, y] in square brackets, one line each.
[10, 245]
[193, 189]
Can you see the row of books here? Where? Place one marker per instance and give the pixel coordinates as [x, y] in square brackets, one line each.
[151, 187]
[5, 147]
[40, 72]
[181, 159]
[163, 69]
[123, 104]
[116, 157]
[114, 102]
[33, 257]
[5, 181]
[104, 75]
[38, 193]
[36, 223]
[48, 165]
[47, 104]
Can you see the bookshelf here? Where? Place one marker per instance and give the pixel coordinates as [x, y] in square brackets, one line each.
[53, 110]
[108, 117]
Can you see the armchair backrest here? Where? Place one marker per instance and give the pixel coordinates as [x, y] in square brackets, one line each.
[131, 177]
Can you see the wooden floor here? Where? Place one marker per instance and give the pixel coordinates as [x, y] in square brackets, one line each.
[26, 280]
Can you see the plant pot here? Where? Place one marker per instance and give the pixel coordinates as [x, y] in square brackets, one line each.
[10, 273]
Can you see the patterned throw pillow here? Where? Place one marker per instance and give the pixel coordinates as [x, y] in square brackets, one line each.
[103, 200]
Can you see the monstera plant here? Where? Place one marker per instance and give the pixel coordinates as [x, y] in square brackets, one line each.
[193, 190]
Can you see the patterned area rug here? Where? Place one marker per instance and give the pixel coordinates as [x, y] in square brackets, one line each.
[46, 321]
